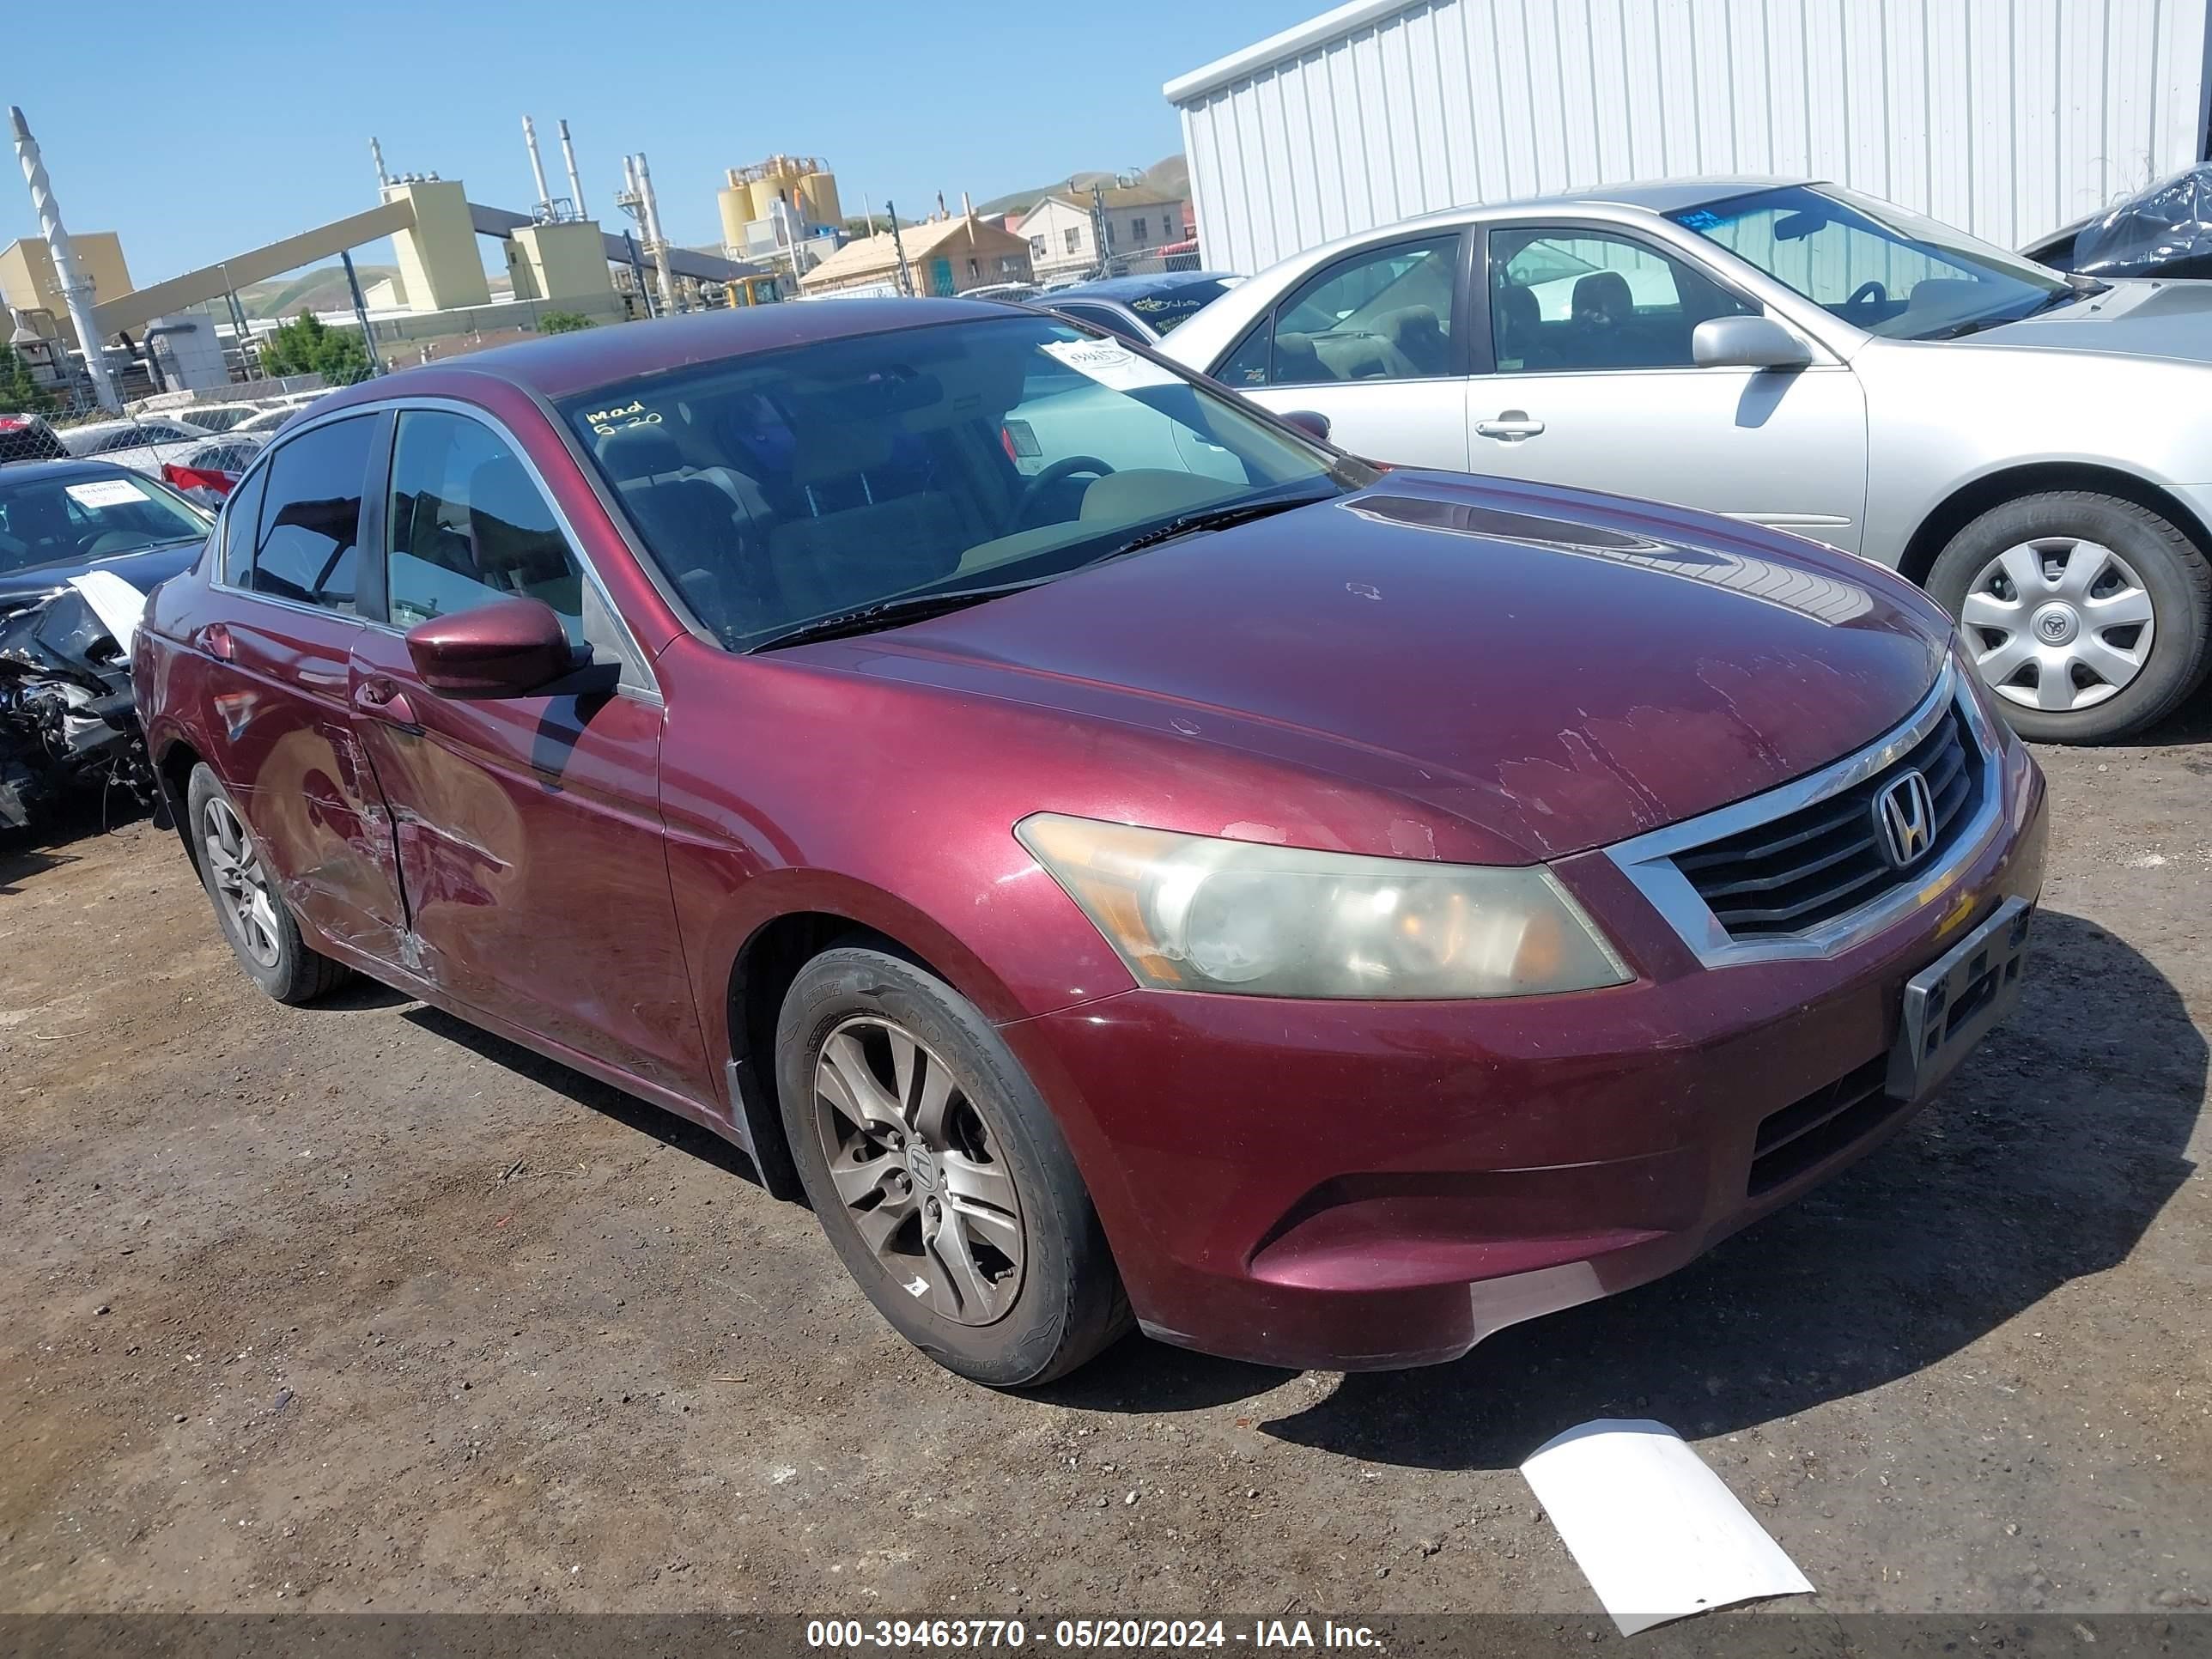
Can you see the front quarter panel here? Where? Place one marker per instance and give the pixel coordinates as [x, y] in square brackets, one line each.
[1941, 414]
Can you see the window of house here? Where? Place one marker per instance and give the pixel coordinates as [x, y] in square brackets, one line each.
[1074, 233]
[974, 268]
[1136, 230]
[466, 525]
[1036, 246]
[311, 516]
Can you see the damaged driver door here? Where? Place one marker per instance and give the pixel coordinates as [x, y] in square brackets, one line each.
[530, 849]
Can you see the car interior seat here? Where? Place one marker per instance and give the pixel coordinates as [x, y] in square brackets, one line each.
[708, 526]
[516, 546]
[1520, 326]
[846, 547]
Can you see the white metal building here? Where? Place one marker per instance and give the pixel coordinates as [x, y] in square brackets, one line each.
[2008, 118]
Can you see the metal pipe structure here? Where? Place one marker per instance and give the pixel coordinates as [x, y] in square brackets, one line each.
[376, 155]
[77, 291]
[660, 243]
[575, 183]
[537, 166]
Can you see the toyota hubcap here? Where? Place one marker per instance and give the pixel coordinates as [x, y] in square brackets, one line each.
[2057, 623]
[918, 1171]
[241, 884]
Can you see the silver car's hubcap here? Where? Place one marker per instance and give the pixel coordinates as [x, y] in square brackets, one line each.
[2057, 623]
[918, 1171]
[241, 884]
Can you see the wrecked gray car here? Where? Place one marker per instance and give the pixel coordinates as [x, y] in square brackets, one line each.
[81, 546]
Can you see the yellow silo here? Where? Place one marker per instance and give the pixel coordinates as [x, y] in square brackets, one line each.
[820, 190]
[735, 201]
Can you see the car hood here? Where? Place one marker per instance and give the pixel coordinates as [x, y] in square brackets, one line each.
[1559, 670]
[143, 570]
[2132, 318]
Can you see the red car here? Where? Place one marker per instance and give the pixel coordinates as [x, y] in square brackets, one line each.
[1120, 860]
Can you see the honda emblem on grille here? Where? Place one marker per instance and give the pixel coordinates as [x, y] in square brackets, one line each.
[1905, 817]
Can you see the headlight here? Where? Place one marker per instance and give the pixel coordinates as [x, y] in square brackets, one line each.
[1190, 913]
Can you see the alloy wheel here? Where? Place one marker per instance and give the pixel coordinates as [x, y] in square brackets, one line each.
[919, 1171]
[241, 882]
[2057, 623]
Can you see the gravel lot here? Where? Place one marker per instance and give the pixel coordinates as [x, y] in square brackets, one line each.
[355, 1307]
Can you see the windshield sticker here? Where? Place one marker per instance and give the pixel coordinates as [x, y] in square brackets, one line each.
[1110, 365]
[1698, 219]
[608, 421]
[104, 492]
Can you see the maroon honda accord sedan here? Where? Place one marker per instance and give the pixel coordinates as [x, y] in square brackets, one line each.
[1119, 859]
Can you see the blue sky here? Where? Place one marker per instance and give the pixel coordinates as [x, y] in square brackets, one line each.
[197, 139]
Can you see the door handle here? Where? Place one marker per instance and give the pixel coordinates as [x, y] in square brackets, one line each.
[1509, 426]
[384, 699]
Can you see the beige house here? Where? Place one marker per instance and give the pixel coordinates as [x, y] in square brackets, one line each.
[1062, 242]
[944, 255]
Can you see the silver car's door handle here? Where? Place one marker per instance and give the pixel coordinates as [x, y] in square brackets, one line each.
[1510, 427]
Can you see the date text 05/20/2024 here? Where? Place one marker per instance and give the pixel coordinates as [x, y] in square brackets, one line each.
[883, 1634]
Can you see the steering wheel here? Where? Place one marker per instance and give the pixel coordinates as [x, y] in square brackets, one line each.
[1066, 467]
[1868, 293]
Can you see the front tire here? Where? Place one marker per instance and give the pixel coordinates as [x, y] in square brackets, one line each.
[249, 908]
[2090, 618]
[938, 1174]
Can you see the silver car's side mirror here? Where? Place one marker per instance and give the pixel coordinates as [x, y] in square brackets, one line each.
[1746, 343]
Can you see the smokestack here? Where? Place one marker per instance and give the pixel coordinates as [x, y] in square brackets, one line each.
[967, 208]
[376, 155]
[536, 165]
[575, 183]
[941, 213]
[76, 292]
[652, 208]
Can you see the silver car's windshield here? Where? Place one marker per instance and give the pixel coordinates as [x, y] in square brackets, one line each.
[1875, 266]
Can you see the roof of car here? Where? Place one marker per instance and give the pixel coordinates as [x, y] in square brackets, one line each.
[565, 364]
[1136, 288]
[24, 471]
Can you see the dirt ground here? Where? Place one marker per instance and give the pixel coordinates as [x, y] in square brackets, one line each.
[354, 1307]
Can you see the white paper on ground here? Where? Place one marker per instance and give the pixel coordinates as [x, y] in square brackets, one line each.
[117, 603]
[1657, 1532]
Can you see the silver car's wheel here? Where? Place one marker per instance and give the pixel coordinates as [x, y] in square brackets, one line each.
[240, 883]
[921, 1178]
[2059, 623]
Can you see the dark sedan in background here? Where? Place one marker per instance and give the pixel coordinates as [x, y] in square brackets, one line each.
[1191, 879]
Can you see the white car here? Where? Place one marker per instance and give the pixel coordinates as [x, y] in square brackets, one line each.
[219, 417]
[144, 446]
[2034, 449]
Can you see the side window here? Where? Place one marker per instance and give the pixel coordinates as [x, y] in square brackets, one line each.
[1585, 300]
[241, 523]
[1382, 315]
[311, 516]
[468, 525]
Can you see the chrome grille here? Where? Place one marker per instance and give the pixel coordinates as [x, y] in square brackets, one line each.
[1804, 868]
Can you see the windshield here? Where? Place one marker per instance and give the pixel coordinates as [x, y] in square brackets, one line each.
[1169, 307]
[792, 485]
[73, 520]
[1875, 266]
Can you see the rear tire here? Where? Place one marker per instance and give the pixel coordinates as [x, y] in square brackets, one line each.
[2090, 616]
[938, 1174]
[248, 907]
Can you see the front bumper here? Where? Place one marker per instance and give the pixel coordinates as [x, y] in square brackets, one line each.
[1353, 1186]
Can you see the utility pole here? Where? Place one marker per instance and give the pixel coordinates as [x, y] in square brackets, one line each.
[905, 276]
[76, 290]
[361, 310]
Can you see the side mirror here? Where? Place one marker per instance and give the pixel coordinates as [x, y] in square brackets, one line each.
[1311, 422]
[1746, 343]
[508, 649]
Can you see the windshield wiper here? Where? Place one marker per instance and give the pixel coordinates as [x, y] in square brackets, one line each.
[1976, 325]
[1212, 518]
[889, 613]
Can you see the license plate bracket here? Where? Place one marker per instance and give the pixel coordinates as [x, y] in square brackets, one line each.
[1952, 1004]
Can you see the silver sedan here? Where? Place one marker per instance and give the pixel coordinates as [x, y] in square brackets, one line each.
[2035, 449]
